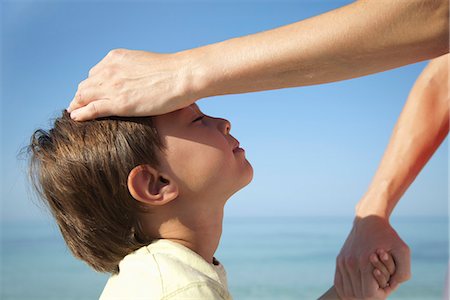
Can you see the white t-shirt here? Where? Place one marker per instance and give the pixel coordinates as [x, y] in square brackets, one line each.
[167, 270]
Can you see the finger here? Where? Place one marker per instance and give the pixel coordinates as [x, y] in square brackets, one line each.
[387, 260]
[347, 283]
[85, 96]
[383, 293]
[380, 278]
[402, 261]
[342, 283]
[95, 109]
[354, 275]
[370, 286]
[376, 262]
[338, 283]
[393, 284]
[79, 100]
[363, 282]
[73, 103]
[388, 290]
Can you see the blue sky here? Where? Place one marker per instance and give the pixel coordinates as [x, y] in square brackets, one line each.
[314, 149]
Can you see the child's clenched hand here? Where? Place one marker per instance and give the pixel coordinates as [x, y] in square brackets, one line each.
[384, 267]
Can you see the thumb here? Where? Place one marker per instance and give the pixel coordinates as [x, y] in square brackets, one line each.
[95, 109]
[393, 285]
[402, 258]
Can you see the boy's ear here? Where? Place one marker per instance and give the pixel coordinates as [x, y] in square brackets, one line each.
[151, 187]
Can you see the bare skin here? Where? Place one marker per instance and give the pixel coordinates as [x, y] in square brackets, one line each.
[186, 197]
[383, 268]
[421, 128]
[136, 83]
[361, 38]
[199, 172]
[414, 140]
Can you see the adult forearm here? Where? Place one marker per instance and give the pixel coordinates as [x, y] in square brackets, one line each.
[420, 129]
[358, 39]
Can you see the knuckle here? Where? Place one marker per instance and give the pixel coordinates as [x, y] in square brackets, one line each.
[116, 52]
[121, 50]
[79, 98]
[109, 71]
[94, 110]
[92, 71]
[360, 261]
[111, 53]
[350, 262]
[81, 85]
[389, 272]
[378, 275]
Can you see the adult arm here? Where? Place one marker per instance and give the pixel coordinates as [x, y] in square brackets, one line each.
[361, 38]
[422, 126]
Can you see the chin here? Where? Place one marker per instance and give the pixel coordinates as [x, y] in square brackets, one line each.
[244, 180]
[247, 176]
[250, 176]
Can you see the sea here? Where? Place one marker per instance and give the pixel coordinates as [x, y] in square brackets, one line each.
[265, 258]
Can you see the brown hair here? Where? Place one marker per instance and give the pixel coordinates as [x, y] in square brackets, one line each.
[80, 170]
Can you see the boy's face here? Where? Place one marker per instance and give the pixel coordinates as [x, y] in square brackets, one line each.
[200, 154]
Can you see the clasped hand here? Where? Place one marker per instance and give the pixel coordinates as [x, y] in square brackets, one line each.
[354, 275]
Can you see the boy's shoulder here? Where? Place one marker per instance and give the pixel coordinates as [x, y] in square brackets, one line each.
[164, 269]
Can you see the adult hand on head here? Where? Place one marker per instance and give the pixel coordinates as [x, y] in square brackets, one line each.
[135, 83]
[354, 273]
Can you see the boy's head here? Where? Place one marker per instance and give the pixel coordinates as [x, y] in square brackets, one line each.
[103, 178]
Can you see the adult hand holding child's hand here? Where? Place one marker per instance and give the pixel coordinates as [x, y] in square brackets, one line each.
[354, 273]
[135, 83]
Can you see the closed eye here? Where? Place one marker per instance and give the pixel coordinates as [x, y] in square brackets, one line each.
[199, 118]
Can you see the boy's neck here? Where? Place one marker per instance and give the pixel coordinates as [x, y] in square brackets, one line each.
[204, 239]
[200, 231]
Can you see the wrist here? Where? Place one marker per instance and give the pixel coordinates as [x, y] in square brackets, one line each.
[194, 73]
[372, 206]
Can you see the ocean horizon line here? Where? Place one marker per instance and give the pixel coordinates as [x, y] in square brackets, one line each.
[6, 221]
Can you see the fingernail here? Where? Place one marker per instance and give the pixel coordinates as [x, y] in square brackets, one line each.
[377, 272]
[374, 258]
[74, 114]
[69, 108]
[385, 256]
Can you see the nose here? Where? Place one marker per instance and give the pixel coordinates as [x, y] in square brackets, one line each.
[225, 126]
